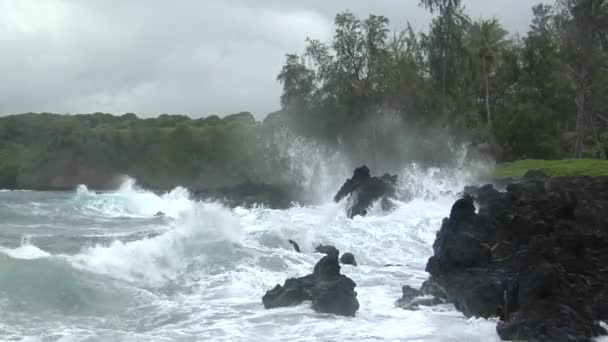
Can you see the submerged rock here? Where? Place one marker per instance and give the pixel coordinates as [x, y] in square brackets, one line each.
[363, 190]
[327, 289]
[536, 256]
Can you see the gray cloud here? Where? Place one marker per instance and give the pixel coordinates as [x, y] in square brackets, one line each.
[185, 57]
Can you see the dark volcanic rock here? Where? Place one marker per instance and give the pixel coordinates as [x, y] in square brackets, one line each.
[329, 291]
[412, 299]
[431, 288]
[328, 250]
[536, 256]
[249, 193]
[295, 245]
[348, 259]
[364, 190]
[293, 292]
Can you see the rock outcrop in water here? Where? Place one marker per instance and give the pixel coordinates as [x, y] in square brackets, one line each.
[364, 190]
[327, 289]
[412, 299]
[295, 245]
[329, 250]
[536, 256]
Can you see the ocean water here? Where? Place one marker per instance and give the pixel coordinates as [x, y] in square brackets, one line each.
[87, 266]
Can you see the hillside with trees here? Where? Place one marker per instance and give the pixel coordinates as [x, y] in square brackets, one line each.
[50, 151]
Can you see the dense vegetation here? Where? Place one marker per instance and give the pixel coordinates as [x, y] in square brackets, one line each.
[49, 151]
[380, 97]
[537, 96]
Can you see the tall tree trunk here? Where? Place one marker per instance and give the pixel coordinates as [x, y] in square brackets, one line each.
[593, 127]
[487, 79]
[446, 52]
[580, 123]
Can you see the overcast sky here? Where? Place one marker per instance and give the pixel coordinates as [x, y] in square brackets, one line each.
[195, 57]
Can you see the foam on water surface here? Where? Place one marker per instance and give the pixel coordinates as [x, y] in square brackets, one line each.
[200, 272]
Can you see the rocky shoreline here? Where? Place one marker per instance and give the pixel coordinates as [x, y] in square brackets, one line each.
[535, 255]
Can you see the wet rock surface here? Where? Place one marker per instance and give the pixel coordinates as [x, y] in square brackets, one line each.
[363, 190]
[348, 259]
[328, 250]
[536, 256]
[412, 298]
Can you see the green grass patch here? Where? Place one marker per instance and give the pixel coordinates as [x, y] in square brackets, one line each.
[553, 168]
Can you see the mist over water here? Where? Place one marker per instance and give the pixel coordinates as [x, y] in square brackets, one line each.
[320, 169]
[100, 266]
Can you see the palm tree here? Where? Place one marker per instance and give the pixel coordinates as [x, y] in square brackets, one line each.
[485, 41]
[441, 5]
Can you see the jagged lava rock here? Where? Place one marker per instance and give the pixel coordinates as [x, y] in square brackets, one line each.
[329, 291]
[536, 256]
[363, 190]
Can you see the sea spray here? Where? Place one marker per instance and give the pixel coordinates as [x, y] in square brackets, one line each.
[319, 169]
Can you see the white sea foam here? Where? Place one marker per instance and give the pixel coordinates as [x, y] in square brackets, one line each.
[25, 252]
[131, 201]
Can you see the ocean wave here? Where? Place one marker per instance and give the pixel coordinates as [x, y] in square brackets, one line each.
[131, 201]
[25, 252]
[35, 282]
[163, 257]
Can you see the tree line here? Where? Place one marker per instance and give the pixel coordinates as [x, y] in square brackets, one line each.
[57, 152]
[540, 95]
